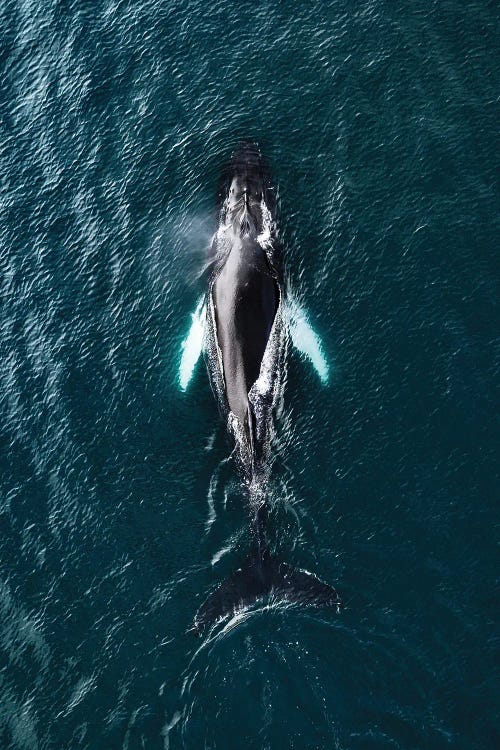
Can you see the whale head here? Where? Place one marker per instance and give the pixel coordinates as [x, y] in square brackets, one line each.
[248, 187]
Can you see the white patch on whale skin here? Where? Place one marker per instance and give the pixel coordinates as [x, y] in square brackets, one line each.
[192, 345]
[306, 340]
[265, 237]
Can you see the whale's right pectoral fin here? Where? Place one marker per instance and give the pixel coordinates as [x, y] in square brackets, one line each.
[192, 345]
[306, 340]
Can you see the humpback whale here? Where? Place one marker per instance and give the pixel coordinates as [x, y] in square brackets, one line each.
[244, 324]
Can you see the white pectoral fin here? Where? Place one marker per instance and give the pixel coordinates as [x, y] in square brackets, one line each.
[306, 340]
[192, 345]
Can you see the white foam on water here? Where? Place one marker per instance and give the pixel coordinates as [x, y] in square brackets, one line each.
[218, 555]
[192, 345]
[214, 480]
[306, 340]
[169, 725]
[84, 685]
[212, 515]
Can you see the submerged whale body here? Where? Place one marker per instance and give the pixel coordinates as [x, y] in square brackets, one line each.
[244, 326]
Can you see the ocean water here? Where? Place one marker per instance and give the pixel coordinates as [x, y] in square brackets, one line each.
[119, 510]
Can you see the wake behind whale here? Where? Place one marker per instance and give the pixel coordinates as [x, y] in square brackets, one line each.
[244, 324]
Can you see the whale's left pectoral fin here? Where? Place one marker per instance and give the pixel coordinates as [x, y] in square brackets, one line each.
[306, 340]
[192, 345]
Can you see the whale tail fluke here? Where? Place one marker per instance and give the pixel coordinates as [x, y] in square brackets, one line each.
[263, 576]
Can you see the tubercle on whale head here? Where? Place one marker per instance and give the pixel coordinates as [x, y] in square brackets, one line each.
[243, 205]
[247, 154]
[247, 186]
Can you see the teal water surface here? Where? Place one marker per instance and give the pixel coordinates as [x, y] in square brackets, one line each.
[118, 509]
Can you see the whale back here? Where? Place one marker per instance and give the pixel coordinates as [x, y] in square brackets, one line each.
[245, 297]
